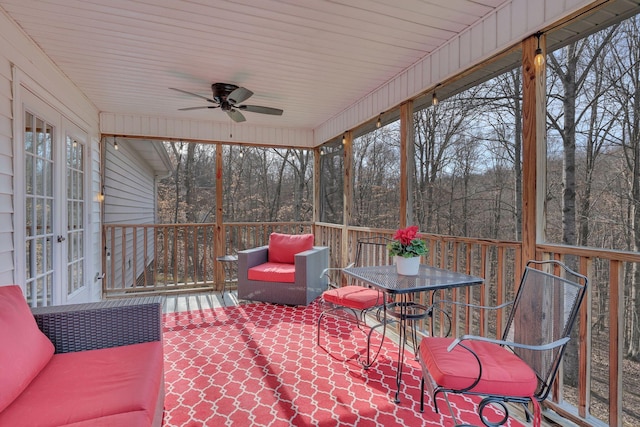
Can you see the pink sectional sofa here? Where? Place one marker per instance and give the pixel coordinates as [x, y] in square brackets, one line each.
[96, 364]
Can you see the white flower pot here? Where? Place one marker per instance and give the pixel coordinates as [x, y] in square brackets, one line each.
[407, 266]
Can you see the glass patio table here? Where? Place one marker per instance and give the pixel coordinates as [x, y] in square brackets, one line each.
[401, 288]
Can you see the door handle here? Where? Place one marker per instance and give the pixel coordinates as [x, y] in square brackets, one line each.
[61, 239]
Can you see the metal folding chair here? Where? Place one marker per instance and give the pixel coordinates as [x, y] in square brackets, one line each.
[521, 366]
[354, 302]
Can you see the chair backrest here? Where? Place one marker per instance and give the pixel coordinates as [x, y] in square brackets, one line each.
[372, 251]
[544, 311]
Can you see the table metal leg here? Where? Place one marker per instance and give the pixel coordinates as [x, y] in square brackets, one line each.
[407, 312]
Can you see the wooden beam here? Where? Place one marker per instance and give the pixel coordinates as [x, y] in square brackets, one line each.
[534, 148]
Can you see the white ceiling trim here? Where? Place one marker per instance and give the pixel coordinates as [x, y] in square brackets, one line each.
[202, 130]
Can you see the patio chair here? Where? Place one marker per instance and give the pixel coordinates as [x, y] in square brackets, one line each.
[289, 270]
[354, 302]
[521, 366]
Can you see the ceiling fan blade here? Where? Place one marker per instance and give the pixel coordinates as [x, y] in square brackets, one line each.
[239, 95]
[198, 108]
[193, 94]
[236, 116]
[261, 110]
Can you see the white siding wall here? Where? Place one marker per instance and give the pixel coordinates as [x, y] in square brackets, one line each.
[6, 172]
[129, 199]
[37, 71]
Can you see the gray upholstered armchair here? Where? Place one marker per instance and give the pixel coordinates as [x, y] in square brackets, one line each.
[287, 271]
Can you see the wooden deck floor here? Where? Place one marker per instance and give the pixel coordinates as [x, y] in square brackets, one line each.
[198, 301]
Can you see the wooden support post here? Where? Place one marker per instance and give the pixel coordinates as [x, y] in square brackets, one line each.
[220, 245]
[407, 164]
[317, 175]
[534, 148]
[347, 195]
[616, 333]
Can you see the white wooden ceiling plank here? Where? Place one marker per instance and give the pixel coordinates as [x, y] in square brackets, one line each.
[232, 19]
[108, 53]
[419, 12]
[339, 16]
[339, 51]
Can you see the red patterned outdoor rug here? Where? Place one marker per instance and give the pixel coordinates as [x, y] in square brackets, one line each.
[259, 365]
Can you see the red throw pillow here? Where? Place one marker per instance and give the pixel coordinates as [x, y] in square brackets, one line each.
[284, 247]
[25, 349]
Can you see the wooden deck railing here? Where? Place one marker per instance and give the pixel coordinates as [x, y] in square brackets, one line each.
[181, 257]
[163, 258]
[158, 258]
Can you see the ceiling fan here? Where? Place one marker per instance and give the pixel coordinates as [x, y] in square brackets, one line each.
[227, 96]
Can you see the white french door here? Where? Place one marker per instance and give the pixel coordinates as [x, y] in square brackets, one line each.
[54, 157]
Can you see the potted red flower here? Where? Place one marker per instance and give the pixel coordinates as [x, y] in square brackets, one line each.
[407, 248]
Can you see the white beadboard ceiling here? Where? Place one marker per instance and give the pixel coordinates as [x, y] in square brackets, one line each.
[311, 58]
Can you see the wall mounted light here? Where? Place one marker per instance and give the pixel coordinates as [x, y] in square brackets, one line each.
[344, 139]
[115, 144]
[539, 59]
[434, 99]
[379, 122]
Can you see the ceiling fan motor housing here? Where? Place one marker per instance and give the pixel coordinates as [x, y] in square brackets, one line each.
[221, 91]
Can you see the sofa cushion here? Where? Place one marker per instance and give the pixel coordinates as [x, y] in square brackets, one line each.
[284, 247]
[136, 418]
[273, 272]
[25, 349]
[119, 383]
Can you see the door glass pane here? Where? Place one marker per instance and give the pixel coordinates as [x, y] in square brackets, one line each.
[75, 209]
[39, 199]
[28, 132]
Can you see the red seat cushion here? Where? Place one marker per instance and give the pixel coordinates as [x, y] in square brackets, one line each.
[89, 385]
[284, 247]
[273, 272]
[24, 349]
[503, 373]
[356, 297]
